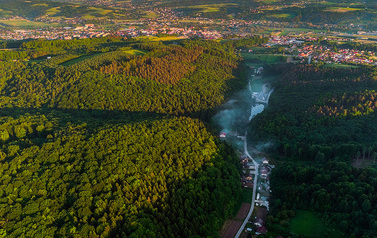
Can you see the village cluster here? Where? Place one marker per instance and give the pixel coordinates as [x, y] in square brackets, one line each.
[318, 53]
[313, 53]
[64, 33]
[90, 31]
[256, 223]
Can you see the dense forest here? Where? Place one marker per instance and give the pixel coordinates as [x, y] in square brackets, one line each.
[138, 176]
[107, 138]
[190, 79]
[322, 122]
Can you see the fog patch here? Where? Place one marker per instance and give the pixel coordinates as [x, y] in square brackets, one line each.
[265, 147]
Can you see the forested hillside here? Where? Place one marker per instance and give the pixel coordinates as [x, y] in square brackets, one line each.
[95, 138]
[151, 177]
[113, 74]
[322, 121]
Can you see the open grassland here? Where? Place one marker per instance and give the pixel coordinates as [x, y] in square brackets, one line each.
[268, 1]
[211, 7]
[342, 65]
[53, 11]
[5, 13]
[150, 14]
[40, 5]
[25, 23]
[134, 52]
[85, 57]
[100, 10]
[307, 224]
[283, 15]
[88, 17]
[168, 38]
[342, 9]
[78, 59]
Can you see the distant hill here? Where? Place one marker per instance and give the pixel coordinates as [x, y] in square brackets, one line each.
[342, 14]
[34, 9]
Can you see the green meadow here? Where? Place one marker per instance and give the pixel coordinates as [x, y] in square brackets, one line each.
[307, 224]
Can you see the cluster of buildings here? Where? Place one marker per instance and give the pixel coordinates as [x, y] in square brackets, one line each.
[299, 40]
[286, 40]
[61, 20]
[256, 224]
[264, 184]
[63, 33]
[89, 31]
[307, 50]
[319, 53]
[247, 168]
[177, 31]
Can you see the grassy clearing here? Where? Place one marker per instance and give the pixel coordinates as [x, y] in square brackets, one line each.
[211, 7]
[4, 13]
[247, 195]
[342, 66]
[97, 11]
[85, 57]
[40, 4]
[150, 14]
[100, 10]
[268, 1]
[134, 52]
[36, 61]
[78, 59]
[24, 23]
[286, 15]
[164, 38]
[307, 224]
[53, 11]
[168, 38]
[88, 17]
[342, 9]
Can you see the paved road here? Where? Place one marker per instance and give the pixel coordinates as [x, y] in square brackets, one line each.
[254, 188]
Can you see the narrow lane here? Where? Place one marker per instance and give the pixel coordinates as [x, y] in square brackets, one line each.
[254, 187]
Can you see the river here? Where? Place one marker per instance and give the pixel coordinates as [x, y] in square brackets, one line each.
[234, 115]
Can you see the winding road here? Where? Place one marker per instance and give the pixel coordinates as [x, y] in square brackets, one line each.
[254, 187]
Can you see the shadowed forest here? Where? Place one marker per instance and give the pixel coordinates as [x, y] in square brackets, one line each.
[322, 120]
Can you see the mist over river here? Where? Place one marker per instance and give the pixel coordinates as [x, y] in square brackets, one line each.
[234, 115]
